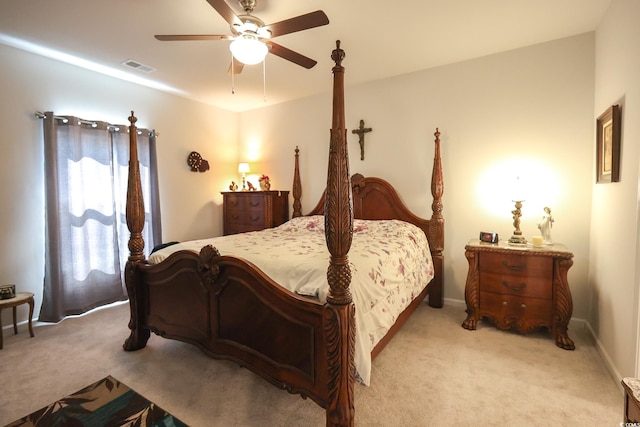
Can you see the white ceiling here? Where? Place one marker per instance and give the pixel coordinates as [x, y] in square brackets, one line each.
[381, 39]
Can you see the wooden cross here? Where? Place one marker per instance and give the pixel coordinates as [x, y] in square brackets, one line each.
[361, 131]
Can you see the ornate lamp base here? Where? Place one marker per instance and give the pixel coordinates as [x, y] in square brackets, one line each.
[518, 240]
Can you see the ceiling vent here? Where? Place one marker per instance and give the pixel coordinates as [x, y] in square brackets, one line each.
[138, 66]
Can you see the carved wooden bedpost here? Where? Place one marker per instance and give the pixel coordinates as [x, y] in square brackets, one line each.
[297, 188]
[339, 314]
[135, 223]
[436, 226]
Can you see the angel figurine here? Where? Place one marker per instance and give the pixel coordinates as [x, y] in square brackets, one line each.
[233, 186]
[545, 226]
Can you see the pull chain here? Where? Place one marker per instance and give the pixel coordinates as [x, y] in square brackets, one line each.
[264, 79]
[233, 77]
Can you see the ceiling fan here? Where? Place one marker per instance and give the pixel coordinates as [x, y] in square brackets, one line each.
[252, 38]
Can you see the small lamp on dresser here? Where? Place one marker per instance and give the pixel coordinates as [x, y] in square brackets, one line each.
[517, 194]
[243, 168]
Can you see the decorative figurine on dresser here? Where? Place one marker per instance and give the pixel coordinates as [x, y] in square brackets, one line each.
[253, 210]
[545, 226]
[524, 288]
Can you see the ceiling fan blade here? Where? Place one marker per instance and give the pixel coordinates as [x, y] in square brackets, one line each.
[290, 55]
[237, 67]
[225, 11]
[190, 37]
[299, 23]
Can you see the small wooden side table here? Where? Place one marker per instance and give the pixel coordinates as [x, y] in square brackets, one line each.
[20, 298]
[631, 399]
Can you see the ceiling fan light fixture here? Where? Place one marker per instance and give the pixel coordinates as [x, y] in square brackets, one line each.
[248, 50]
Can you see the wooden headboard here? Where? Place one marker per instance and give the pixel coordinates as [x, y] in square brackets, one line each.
[375, 198]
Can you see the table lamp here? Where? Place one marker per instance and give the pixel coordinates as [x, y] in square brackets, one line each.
[518, 197]
[243, 168]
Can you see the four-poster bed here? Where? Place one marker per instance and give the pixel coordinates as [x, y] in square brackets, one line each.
[232, 309]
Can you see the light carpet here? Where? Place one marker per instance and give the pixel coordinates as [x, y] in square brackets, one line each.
[433, 373]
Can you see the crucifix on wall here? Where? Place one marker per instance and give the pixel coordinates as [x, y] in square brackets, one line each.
[361, 131]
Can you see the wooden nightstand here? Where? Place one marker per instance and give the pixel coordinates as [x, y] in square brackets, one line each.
[254, 210]
[524, 288]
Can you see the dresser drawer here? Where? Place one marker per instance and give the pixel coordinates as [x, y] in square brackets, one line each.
[247, 217]
[535, 287]
[516, 265]
[245, 203]
[507, 308]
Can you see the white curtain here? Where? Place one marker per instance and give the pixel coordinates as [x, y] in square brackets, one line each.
[86, 166]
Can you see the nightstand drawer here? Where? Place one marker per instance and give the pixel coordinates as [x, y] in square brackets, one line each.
[516, 265]
[536, 287]
[528, 311]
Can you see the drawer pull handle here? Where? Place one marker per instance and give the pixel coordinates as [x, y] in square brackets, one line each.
[523, 305]
[504, 303]
[519, 287]
[255, 203]
[255, 218]
[514, 267]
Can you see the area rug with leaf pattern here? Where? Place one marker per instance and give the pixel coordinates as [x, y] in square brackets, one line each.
[107, 402]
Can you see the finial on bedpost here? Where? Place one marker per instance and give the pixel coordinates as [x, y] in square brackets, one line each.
[132, 118]
[337, 55]
[297, 188]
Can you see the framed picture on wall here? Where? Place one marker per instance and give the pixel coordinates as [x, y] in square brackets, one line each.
[608, 146]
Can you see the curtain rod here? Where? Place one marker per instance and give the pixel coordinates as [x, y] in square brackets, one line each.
[41, 115]
[115, 128]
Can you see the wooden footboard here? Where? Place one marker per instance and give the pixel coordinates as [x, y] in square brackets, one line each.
[231, 310]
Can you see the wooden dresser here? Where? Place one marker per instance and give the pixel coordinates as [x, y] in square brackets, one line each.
[524, 288]
[254, 210]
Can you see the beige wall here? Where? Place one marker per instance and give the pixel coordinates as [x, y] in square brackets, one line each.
[190, 201]
[614, 257]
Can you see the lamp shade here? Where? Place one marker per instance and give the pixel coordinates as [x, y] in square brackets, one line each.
[248, 50]
[243, 168]
[518, 190]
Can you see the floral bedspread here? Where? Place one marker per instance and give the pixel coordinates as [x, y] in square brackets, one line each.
[390, 265]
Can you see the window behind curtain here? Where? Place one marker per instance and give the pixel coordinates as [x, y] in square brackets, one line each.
[86, 166]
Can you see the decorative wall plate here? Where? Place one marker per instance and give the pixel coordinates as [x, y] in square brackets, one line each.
[197, 163]
[194, 161]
